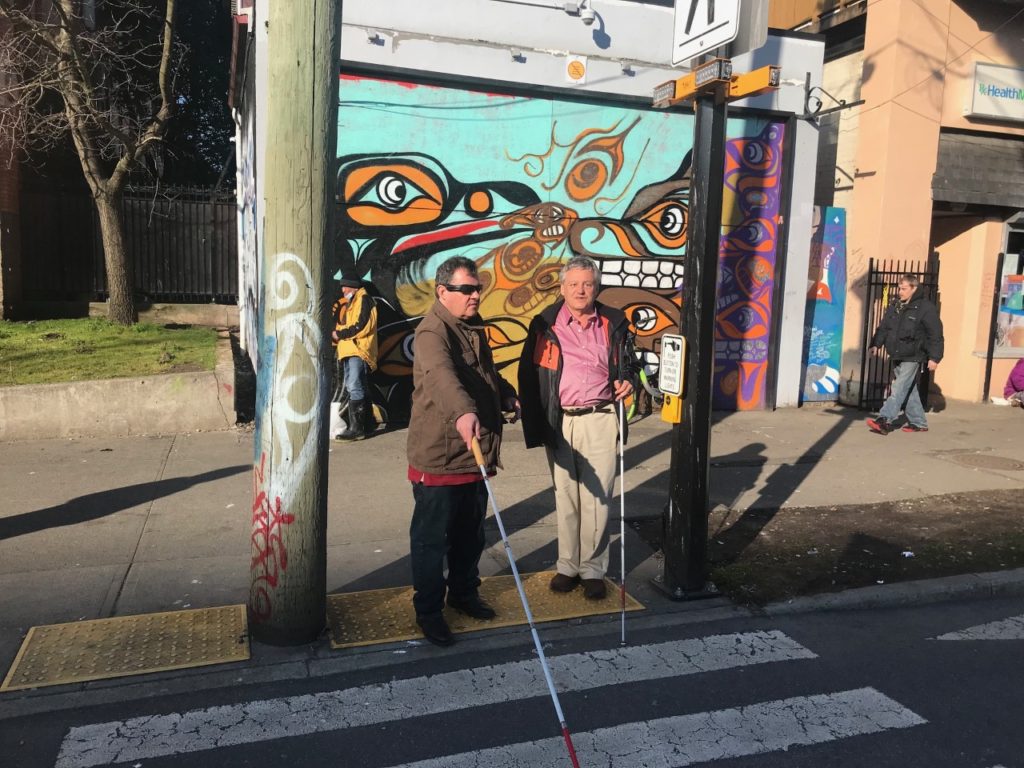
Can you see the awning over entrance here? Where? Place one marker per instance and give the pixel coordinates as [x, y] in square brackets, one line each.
[982, 170]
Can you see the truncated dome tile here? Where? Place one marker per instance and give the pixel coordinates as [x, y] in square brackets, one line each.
[387, 615]
[58, 654]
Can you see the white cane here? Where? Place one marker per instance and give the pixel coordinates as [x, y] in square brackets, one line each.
[622, 516]
[478, 455]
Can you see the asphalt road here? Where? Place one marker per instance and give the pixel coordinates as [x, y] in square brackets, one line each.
[934, 686]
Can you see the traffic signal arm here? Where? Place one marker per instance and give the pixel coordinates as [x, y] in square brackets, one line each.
[753, 83]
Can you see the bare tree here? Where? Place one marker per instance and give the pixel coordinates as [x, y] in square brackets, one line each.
[102, 75]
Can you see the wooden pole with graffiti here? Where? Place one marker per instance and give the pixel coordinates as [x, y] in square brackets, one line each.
[289, 513]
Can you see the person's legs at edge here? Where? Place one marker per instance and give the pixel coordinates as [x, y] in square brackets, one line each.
[595, 442]
[905, 376]
[564, 477]
[466, 540]
[427, 547]
[914, 409]
[354, 377]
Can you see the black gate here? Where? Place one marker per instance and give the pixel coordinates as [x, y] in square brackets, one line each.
[182, 244]
[883, 278]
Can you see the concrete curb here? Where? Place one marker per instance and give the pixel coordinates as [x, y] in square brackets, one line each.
[924, 592]
[162, 404]
[316, 660]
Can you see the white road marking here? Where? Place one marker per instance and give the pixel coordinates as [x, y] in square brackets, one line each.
[203, 729]
[674, 742]
[1007, 629]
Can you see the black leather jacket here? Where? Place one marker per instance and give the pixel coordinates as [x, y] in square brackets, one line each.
[540, 371]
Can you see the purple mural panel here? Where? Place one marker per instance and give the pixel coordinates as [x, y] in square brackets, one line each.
[746, 268]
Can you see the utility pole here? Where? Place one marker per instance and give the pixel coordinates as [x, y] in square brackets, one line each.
[288, 585]
[685, 525]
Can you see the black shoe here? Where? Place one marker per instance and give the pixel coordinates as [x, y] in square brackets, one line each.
[879, 426]
[594, 589]
[914, 428]
[435, 629]
[472, 606]
[563, 583]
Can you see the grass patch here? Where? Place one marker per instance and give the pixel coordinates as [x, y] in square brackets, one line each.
[49, 351]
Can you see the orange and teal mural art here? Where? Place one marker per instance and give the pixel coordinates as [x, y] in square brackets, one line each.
[520, 185]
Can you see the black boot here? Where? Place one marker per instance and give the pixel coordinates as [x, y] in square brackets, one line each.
[356, 421]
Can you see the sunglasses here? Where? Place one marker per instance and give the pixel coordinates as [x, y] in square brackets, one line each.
[466, 289]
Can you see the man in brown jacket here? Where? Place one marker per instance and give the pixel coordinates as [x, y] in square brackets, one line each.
[457, 395]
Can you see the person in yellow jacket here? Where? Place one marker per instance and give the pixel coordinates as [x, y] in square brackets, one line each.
[355, 335]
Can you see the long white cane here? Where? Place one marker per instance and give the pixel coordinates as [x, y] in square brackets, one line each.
[622, 516]
[478, 455]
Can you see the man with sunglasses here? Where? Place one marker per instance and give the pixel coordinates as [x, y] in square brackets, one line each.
[457, 395]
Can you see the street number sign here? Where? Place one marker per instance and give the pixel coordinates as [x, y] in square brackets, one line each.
[670, 367]
[701, 26]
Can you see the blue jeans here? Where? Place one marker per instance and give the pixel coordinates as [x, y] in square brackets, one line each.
[354, 369]
[904, 387]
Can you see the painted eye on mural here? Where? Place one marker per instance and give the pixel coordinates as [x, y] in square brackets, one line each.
[648, 320]
[393, 194]
[666, 222]
[644, 318]
[391, 191]
[673, 220]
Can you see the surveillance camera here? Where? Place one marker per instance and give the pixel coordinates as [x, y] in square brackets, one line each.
[587, 15]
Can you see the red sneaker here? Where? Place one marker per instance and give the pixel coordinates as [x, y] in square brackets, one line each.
[914, 428]
[879, 426]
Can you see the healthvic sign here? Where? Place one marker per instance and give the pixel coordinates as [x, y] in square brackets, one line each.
[998, 93]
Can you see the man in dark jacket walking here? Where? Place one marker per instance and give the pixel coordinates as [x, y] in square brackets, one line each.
[457, 396]
[911, 333]
[571, 374]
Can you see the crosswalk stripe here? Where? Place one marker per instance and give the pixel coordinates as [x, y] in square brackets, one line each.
[1006, 629]
[213, 727]
[674, 742]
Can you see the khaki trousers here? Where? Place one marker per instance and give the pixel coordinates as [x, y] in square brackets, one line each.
[582, 467]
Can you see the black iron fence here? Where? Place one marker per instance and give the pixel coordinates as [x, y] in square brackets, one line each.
[182, 245]
[883, 278]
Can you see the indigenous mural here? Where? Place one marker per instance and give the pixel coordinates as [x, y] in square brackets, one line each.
[520, 185]
[746, 269]
[826, 306]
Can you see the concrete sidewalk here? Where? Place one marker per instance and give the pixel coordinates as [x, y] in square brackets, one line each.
[93, 528]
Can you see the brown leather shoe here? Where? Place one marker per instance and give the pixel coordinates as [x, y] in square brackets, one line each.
[563, 583]
[594, 589]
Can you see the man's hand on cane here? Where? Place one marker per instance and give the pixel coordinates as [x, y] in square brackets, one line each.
[623, 389]
[468, 427]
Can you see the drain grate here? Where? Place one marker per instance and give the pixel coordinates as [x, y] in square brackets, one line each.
[987, 461]
[386, 615]
[58, 654]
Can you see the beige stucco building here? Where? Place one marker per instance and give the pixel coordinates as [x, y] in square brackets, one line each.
[922, 165]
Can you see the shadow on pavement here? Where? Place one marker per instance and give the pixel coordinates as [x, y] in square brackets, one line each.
[95, 505]
[778, 487]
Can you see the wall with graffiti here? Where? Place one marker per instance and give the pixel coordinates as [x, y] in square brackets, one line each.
[826, 306]
[521, 184]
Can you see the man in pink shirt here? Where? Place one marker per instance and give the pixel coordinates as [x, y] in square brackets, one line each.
[572, 372]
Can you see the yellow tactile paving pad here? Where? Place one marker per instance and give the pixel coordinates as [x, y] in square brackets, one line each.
[58, 654]
[386, 615]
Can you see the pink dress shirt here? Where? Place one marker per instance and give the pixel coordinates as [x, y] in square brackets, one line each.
[585, 378]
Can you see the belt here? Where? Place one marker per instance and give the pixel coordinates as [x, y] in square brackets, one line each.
[583, 410]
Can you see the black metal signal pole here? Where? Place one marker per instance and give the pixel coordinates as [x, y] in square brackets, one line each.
[685, 525]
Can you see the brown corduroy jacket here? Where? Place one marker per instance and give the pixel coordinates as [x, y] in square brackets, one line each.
[453, 374]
